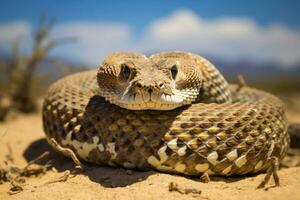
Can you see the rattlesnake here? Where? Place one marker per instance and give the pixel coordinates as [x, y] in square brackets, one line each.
[173, 112]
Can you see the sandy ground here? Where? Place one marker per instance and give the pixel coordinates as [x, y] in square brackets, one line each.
[25, 136]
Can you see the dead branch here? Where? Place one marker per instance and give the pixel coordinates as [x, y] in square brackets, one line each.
[175, 187]
[43, 44]
[67, 152]
[63, 178]
[16, 175]
[36, 160]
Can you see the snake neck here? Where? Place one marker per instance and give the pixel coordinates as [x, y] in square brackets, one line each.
[215, 88]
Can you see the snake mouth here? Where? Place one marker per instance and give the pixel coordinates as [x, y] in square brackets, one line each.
[151, 101]
[155, 100]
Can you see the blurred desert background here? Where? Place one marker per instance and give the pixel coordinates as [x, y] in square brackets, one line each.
[41, 41]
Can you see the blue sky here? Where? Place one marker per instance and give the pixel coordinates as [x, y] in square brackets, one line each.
[268, 27]
[139, 13]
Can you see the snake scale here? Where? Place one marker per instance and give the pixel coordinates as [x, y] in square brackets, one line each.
[173, 112]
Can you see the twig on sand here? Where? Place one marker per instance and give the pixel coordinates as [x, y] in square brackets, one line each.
[16, 187]
[32, 168]
[63, 178]
[36, 160]
[175, 187]
[67, 152]
[16, 175]
[272, 170]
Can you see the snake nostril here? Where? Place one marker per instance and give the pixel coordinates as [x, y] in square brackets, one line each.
[139, 85]
[161, 85]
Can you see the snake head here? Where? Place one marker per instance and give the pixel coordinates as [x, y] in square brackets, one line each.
[184, 74]
[161, 82]
[116, 73]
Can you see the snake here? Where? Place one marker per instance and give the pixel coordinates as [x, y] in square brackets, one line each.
[172, 112]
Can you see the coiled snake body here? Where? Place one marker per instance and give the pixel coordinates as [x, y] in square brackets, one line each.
[171, 112]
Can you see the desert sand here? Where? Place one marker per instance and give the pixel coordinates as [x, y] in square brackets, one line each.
[25, 135]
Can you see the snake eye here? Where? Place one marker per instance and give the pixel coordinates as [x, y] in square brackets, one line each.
[125, 72]
[174, 71]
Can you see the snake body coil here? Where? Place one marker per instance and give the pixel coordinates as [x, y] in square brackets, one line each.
[228, 133]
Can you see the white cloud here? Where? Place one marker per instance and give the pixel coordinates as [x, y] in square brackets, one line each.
[230, 38]
[18, 30]
[92, 40]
